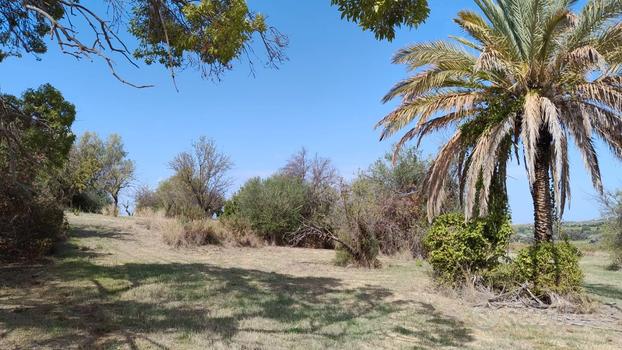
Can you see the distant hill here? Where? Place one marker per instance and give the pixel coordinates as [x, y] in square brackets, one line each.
[574, 230]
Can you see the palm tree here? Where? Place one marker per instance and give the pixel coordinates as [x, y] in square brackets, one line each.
[530, 76]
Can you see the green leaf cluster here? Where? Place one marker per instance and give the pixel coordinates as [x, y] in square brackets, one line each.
[458, 249]
[217, 31]
[271, 207]
[549, 267]
[382, 17]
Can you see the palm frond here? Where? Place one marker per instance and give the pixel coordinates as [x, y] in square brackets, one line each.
[531, 123]
[437, 178]
[438, 54]
[424, 107]
[482, 165]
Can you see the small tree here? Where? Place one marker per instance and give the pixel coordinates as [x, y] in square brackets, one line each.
[81, 174]
[97, 172]
[204, 175]
[319, 175]
[117, 171]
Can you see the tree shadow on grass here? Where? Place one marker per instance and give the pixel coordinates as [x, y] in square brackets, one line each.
[443, 330]
[605, 290]
[99, 232]
[107, 306]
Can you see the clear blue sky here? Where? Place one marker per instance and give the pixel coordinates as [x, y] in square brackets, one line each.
[326, 98]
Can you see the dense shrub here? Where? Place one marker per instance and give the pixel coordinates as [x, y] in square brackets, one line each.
[549, 267]
[457, 249]
[35, 138]
[91, 201]
[271, 208]
[349, 225]
[29, 225]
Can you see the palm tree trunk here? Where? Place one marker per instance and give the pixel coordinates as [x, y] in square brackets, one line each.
[541, 193]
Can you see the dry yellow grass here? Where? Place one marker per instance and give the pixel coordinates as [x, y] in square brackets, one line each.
[117, 285]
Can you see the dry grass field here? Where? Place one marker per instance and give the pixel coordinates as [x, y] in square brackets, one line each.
[116, 285]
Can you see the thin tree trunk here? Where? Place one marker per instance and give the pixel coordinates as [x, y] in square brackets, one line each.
[541, 194]
[116, 206]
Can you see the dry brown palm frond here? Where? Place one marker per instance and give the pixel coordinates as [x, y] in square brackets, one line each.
[559, 152]
[482, 165]
[601, 93]
[437, 178]
[420, 130]
[580, 127]
[585, 56]
[491, 60]
[531, 123]
[608, 125]
[425, 107]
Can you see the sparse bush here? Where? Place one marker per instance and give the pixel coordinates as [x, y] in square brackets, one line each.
[390, 188]
[191, 234]
[362, 249]
[457, 249]
[348, 225]
[146, 198]
[612, 205]
[549, 268]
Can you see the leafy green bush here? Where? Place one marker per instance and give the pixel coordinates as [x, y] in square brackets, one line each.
[35, 138]
[457, 249]
[549, 267]
[272, 208]
[29, 226]
[90, 201]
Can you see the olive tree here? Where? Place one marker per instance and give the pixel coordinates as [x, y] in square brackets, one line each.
[117, 171]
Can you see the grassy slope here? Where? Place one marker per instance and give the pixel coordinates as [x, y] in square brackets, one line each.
[115, 285]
